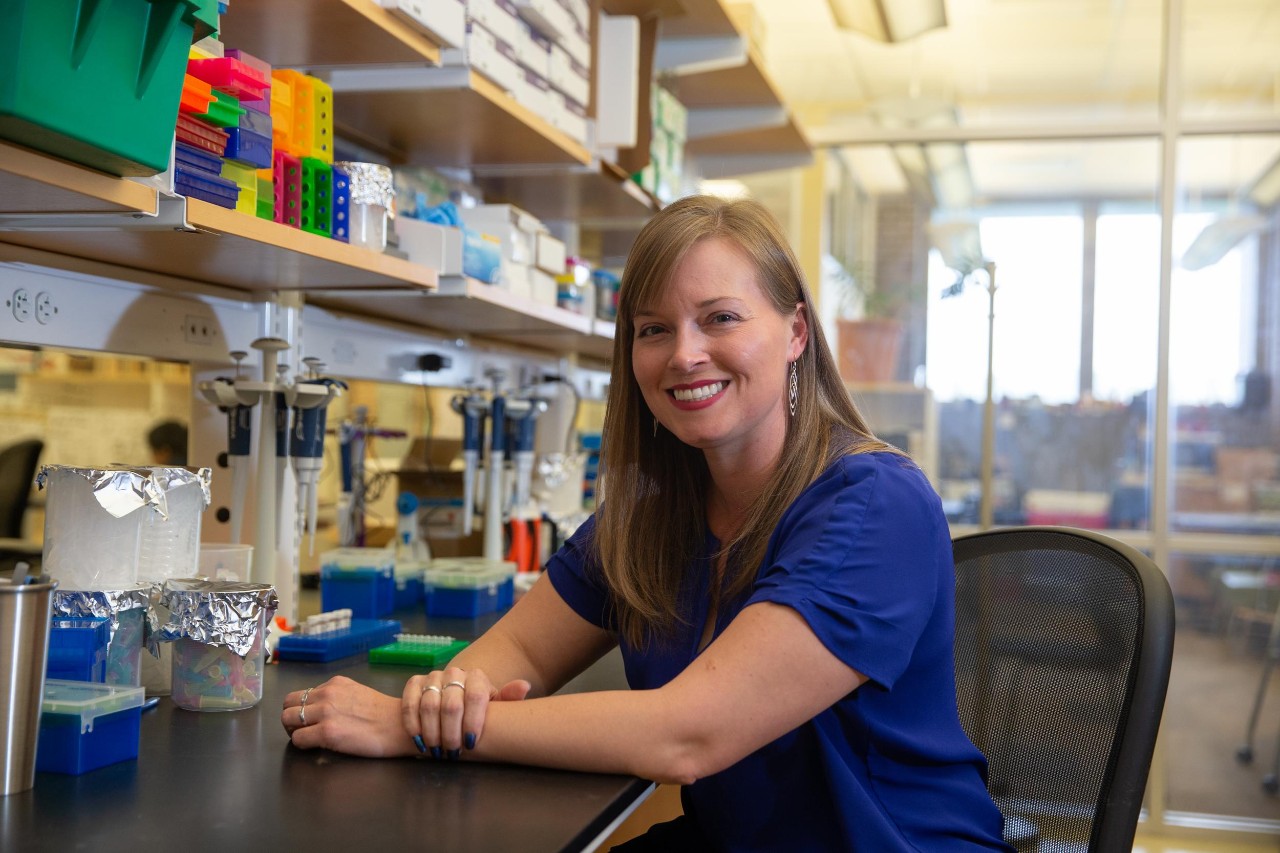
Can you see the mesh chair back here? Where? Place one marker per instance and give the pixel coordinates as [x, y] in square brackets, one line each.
[1064, 641]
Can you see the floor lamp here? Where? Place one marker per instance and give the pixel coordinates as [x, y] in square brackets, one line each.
[961, 249]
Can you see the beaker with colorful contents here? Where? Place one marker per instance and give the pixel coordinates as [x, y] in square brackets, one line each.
[219, 631]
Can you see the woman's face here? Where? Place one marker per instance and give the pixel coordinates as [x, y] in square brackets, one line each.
[712, 355]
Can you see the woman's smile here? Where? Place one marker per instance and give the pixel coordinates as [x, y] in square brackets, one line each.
[698, 395]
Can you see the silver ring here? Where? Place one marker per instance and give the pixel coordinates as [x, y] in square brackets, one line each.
[305, 694]
[302, 715]
[456, 684]
[432, 687]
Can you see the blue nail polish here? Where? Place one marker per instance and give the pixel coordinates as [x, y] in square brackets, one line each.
[455, 754]
[436, 752]
[417, 741]
[470, 740]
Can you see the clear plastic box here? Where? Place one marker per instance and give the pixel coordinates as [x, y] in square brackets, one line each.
[84, 726]
[358, 579]
[468, 587]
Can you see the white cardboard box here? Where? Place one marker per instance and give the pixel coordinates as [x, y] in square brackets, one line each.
[570, 77]
[549, 253]
[436, 246]
[486, 54]
[548, 17]
[617, 81]
[499, 18]
[516, 278]
[514, 228]
[542, 287]
[444, 20]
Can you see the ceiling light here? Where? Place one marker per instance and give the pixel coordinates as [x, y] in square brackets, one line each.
[1219, 237]
[889, 20]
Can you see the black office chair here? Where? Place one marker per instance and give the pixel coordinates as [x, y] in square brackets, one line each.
[17, 474]
[1064, 641]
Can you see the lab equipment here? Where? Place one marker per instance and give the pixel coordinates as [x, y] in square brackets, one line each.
[128, 610]
[78, 648]
[359, 579]
[466, 587]
[307, 444]
[425, 651]
[358, 637]
[219, 631]
[85, 726]
[24, 624]
[473, 407]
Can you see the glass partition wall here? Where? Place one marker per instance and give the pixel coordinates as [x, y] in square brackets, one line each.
[1129, 252]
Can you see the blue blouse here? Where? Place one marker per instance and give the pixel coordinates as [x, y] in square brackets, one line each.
[864, 556]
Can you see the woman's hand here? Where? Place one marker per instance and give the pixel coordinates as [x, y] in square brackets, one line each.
[346, 716]
[444, 711]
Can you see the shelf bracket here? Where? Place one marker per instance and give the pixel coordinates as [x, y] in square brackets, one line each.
[681, 56]
[706, 122]
[170, 215]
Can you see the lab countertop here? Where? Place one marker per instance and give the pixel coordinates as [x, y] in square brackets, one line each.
[232, 781]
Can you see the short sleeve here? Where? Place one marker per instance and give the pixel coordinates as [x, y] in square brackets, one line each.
[859, 556]
[574, 574]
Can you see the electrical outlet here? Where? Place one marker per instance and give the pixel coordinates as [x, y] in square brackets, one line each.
[45, 309]
[20, 302]
[199, 330]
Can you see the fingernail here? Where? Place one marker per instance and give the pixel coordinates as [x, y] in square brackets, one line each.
[455, 754]
[417, 741]
[436, 752]
[469, 740]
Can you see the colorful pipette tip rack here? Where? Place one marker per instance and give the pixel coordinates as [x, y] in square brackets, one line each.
[427, 651]
[327, 637]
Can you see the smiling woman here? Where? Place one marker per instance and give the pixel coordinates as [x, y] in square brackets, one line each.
[779, 582]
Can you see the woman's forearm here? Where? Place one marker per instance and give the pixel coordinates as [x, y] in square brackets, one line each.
[637, 733]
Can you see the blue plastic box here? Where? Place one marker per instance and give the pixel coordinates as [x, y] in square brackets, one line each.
[248, 147]
[85, 726]
[78, 648]
[358, 579]
[410, 593]
[363, 635]
[467, 587]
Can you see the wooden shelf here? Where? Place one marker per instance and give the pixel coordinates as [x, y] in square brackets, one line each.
[473, 308]
[228, 248]
[313, 34]
[589, 194]
[784, 139]
[746, 85]
[36, 183]
[476, 124]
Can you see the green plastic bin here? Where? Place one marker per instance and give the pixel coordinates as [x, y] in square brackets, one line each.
[97, 81]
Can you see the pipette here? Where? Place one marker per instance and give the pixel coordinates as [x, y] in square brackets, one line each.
[311, 403]
[472, 408]
[409, 545]
[493, 497]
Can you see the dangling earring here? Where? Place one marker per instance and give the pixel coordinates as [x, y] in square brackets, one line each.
[793, 392]
[655, 427]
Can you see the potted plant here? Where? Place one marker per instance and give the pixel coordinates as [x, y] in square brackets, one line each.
[869, 330]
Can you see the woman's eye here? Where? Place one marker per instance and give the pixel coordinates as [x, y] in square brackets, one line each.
[723, 317]
[647, 331]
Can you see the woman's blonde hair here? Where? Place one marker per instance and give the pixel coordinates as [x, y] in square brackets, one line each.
[651, 523]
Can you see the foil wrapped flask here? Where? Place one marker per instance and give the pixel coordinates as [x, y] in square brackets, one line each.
[129, 612]
[110, 527]
[219, 631]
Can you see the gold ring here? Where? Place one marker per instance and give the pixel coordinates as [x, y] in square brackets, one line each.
[456, 684]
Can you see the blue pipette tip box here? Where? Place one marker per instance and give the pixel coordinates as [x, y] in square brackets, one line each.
[358, 579]
[84, 726]
[78, 648]
[364, 634]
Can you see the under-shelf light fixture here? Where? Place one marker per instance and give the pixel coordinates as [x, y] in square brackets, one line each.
[889, 20]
